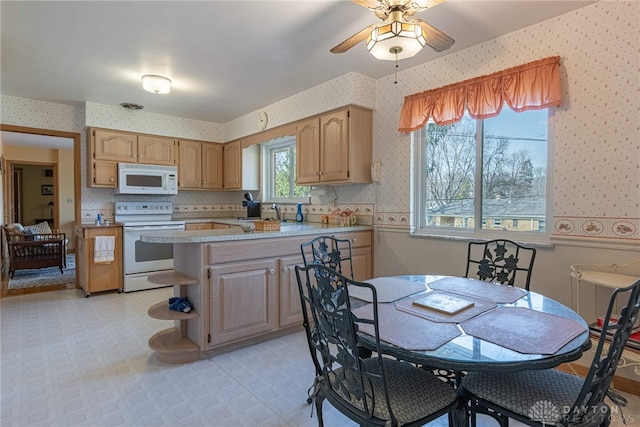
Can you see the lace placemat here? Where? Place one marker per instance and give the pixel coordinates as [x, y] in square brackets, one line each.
[524, 330]
[389, 289]
[405, 330]
[501, 294]
[479, 306]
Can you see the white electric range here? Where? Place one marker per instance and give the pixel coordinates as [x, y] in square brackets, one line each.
[140, 258]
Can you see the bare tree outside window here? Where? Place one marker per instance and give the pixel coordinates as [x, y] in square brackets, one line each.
[498, 163]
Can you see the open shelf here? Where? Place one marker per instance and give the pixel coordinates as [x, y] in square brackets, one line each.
[161, 311]
[170, 347]
[172, 277]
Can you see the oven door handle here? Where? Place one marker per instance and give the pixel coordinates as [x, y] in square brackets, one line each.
[155, 228]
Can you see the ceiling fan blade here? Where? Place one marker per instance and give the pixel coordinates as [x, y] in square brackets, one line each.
[353, 40]
[435, 38]
[371, 4]
[414, 6]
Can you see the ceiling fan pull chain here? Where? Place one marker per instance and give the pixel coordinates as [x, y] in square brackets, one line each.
[395, 71]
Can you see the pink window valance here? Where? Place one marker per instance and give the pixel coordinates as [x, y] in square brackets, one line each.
[529, 86]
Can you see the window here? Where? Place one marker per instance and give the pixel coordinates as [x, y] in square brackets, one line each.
[483, 176]
[280, 172]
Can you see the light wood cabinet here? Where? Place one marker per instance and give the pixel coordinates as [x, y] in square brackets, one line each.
[290, 308]
[233, 165]
[200, 165]
[241, 166]
[253, 296]
[156, 150]
[109, 147]
[117, 146]
[335, 147]
[98, 277]
[244, 300]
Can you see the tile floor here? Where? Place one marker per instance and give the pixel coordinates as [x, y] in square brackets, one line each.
[67, 360]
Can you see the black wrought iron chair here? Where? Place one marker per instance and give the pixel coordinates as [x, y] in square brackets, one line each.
[333, 253]
[501, 261]
[329, 251]
[371, 391]
[551, 397]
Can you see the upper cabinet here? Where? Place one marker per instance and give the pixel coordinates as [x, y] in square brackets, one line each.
[119, 146]
[108, 147]
[199, 165]
[241, 166]
[156, 150]
[335, 148]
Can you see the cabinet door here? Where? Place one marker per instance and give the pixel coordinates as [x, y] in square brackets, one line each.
[244, 300]
[156, 150]
[232, 165]
[362, 264]
[116, 146]
[334, 146]
[100, 277]
[104, 174]
[290, 308]
[189, 164]
[212, 165]
[308, 152]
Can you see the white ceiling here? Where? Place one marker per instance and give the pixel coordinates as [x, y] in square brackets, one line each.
[225, 58]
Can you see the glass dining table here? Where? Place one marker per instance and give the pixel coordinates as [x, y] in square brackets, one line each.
[463, 324]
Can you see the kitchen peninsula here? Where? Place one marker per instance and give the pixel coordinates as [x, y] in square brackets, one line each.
[242, 285]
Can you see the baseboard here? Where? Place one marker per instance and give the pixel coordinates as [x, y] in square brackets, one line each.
[625, 385]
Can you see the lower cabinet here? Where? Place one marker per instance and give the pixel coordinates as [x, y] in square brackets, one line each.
[98, 276]
[244, 300]
[252, 296]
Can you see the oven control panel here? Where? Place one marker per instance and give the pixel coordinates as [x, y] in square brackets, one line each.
[143, 208]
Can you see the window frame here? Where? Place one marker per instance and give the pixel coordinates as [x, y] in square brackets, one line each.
[418, 225]
[268, 172]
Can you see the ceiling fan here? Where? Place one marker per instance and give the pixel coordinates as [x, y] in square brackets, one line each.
[397, 36]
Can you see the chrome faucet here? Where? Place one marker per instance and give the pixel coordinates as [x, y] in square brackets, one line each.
[276, 207]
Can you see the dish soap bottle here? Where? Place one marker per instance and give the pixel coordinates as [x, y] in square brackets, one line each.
[299, 216]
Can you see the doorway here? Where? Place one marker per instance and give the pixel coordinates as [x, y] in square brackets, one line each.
[72, 202]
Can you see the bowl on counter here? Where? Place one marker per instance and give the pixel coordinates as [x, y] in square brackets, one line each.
[248, 227]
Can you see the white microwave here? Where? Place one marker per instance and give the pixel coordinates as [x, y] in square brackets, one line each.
[135, 178]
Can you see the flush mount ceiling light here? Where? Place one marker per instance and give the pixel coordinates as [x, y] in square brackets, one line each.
[156, 84]
[395, 39]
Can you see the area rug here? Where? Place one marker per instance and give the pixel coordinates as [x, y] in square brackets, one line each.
[44, 276]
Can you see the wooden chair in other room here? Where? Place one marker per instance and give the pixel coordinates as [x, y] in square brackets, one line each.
[371, 391]
[551, 397]
[501, 261]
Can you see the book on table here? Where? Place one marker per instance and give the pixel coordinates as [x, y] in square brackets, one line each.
[443, 302]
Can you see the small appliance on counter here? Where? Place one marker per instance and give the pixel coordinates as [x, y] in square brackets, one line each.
[253, 207]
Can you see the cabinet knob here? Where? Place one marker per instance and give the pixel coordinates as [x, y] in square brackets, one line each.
[140, 155]
[315, 172]
[355, 240]
[320, 173]
[285, 268]
[271, 270]
[112, 179]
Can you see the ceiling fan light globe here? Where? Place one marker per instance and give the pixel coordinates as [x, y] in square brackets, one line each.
[384, 39]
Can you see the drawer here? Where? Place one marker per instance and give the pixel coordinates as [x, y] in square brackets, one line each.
[358, 239]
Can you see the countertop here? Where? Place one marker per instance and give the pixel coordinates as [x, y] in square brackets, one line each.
[287, 229]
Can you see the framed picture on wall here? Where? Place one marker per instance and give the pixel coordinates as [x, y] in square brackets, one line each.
[47, 190]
